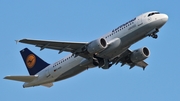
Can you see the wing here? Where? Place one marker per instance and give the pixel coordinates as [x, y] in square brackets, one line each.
[21, 78]
[72, 47]
[124, 59]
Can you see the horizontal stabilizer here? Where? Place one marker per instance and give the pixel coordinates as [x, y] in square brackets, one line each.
[22, 78]
[48, 85]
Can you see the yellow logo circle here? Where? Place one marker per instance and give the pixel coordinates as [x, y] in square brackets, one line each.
[30, 61]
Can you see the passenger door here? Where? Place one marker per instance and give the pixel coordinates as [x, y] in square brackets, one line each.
[139, 21]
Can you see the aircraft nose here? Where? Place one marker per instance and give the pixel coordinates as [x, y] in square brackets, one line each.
[164, 18]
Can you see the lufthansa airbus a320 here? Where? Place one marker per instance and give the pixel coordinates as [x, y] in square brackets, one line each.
[110, 49]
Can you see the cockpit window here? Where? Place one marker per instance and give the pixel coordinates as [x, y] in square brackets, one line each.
[150, 14]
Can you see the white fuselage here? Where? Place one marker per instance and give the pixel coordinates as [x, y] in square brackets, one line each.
[128, 33]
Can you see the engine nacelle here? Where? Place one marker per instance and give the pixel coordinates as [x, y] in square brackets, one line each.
[97, 46]
[140, 54]
[112, 45]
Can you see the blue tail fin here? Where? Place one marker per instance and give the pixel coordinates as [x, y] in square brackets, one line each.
[33, 63]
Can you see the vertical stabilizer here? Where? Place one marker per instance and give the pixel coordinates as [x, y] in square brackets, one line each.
[33, 63]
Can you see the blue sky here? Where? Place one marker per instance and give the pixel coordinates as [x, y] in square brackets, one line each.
[85, 20]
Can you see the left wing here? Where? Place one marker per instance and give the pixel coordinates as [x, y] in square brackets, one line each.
[72, 47]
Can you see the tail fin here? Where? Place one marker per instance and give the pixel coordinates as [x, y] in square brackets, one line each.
[33, 63]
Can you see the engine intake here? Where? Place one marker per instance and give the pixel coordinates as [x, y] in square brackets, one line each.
[140, 54]
[97, 46]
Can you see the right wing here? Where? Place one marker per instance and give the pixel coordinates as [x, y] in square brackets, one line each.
[124, 59]
[22, 78]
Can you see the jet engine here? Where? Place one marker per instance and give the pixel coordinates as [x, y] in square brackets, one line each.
[139, 54]
[97, 46]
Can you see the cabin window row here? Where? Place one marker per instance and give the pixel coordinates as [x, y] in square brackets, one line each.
[62, 61]
[119, 29]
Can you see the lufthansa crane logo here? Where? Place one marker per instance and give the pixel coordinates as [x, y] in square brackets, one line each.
[30, 61]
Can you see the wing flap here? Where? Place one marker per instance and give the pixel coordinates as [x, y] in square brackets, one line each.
[21, 78]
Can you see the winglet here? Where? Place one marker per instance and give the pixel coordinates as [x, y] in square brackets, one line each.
[17, 41]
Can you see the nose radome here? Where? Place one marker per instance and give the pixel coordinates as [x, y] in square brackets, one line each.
[164, 18]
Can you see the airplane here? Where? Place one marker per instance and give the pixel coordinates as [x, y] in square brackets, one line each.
[110, 49]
